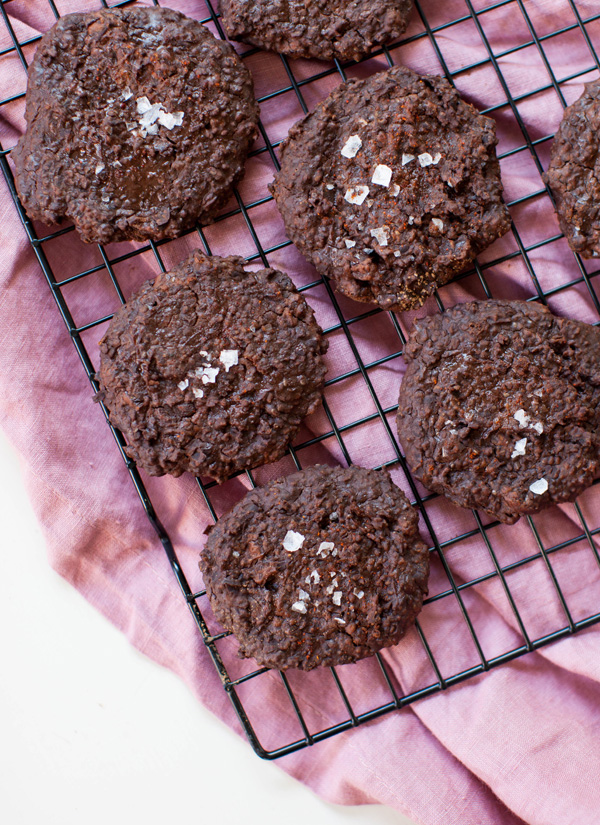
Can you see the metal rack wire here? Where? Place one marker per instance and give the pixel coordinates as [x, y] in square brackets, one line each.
[455, 591]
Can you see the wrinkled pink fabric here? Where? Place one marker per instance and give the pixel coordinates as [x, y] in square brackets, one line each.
[520, 743]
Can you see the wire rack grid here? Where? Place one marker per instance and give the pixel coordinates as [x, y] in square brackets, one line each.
[456, 586]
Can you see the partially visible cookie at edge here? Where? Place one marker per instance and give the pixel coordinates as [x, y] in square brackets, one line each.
[321, 29]
[139, 121]
[323, 567]
[211, 369]
[499, 408]
[574, 172]
[391, 187]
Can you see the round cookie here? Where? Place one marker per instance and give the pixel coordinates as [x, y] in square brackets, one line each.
[574, 173]
[323, 29]
[391, 186]
[500, 406]
[323, 567]
[211, 369]
[139, 123]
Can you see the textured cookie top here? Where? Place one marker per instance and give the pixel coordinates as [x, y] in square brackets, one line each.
[574, 172]
[139, 121]
[500, 406]
[316, 28]
[323, 567]
[391, 187]
[210, 369]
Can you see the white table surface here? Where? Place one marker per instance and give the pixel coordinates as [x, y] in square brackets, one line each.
[93, 732]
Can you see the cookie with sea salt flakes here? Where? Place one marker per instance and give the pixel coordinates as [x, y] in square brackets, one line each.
[391, 186]
[323, 567]
[139, 122]
[574, 172]
[211, 369]
[500, 406]
[316, 28]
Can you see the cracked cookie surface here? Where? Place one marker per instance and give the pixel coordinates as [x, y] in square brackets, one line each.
[499, 408]
[323, 567]
[391, 187]
[211, 369]
[139, 121]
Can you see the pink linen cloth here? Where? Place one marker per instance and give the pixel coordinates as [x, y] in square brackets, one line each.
[518, 744]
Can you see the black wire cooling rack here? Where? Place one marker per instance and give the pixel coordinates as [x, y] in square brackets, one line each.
[537, 38]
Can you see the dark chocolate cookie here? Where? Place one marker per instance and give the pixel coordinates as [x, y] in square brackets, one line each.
[211, 369]
[391, 187]
[316, 28]
[139, 122]
[574, 172]
[500, 406]
[323, 567]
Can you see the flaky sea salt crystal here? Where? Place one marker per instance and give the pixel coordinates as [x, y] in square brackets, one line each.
[539, 487]
[349, 244]
[337, 598]
[519, 448]
[183, 385]
[325, 547]
[299, 607]
[437, 158]
[407, 159]
[411, 220]
[229, 358]
[522, 417]
[209, 374]
[99, 168]
[381, 235]
[439, 223]
[359, 593]
[329, 186]
[315, 576]
[538, 427]
[425, 159]
[382, 175]
[351, 146]
[127, 93]
[169, 120]
[397, 253]
[198, 393]
[153, 114]
[293, 541]
[394, 190]
[338, 620]
[302, 594]
[356, 194]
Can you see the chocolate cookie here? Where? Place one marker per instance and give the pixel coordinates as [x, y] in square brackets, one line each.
[323, 567]
[139, 122]
[211, 369]
[500, 406]
[574, 172]
[316, 28]
[391, 186]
